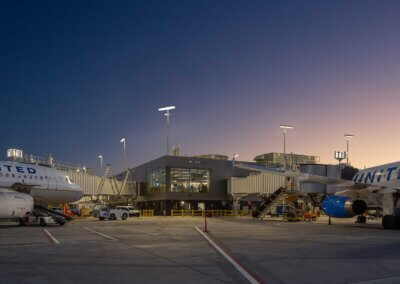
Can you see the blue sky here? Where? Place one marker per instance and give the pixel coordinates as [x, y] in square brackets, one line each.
[76, 76]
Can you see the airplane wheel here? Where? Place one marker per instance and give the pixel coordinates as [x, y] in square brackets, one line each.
[389, 222]
[42, 222]
[397, 220]
[361, 219]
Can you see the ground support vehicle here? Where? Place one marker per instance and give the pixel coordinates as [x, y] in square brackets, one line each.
[310, 216]
[131, 211]
[113, 214]
[41, 219]
[291, 214]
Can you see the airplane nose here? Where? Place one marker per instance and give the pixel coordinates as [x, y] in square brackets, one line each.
[80, 190]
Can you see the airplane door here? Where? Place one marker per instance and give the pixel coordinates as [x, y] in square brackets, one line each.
[52, 179]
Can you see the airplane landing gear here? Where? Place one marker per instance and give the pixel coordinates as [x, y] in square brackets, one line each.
[361, 219]
[389, 222]
[391, 205]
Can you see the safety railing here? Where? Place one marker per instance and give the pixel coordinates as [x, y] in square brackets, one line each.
[146, 213]
[210, 213]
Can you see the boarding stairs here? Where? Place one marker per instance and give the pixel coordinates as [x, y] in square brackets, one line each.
[269, 203]
[43, 209]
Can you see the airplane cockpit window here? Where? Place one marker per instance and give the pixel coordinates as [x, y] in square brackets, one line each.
[68, 179]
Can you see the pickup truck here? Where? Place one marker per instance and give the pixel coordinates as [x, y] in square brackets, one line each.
[112, 214]
[131, 210]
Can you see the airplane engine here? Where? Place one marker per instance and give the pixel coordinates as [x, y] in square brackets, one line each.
[14, 205]
[343, 207]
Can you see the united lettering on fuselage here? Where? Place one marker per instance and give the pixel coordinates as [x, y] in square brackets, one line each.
[371, 176]
[18, 169]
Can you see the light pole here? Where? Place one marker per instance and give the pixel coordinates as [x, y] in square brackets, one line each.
[167, 114]
[233, 161]
[285, 128]
[101, 162]
[348, 138]
[123, 140]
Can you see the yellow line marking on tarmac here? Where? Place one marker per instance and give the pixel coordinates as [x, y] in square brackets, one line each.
[51, 236]
[100, 234]
[250, 278]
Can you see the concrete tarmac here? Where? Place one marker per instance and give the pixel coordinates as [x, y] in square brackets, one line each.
[170, 250]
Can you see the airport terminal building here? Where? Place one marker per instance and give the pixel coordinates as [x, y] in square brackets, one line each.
[177, 182]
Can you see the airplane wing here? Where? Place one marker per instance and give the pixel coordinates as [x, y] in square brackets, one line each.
[304, 177]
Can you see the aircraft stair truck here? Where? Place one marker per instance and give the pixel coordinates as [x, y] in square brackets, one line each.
[57, 216]
[268, 203]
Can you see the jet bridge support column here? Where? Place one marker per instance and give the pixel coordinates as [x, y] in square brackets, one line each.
[391, 217]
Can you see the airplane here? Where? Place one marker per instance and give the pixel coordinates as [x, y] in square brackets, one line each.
[23, 185]
[378, 186]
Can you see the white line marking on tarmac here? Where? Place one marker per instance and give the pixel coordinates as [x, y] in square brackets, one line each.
[100, 234]
[154, 234]
[250, 278]
[51, 236]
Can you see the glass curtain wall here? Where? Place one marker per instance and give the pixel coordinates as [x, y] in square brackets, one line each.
[190, 180]
[156, 181]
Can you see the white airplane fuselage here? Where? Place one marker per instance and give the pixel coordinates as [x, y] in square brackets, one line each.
[43, 183]
[387, 175]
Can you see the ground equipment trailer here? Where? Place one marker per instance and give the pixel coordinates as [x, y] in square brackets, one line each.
[41, 219]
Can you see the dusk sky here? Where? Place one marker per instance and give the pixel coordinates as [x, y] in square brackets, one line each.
[76, 76]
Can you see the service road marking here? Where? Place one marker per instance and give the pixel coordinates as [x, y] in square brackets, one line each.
[100, 234]
[53, 239]
[247, 275]
[154, 234]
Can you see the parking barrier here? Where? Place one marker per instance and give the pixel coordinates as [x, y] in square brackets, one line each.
[146, 213]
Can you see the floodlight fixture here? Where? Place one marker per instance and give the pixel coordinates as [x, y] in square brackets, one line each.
[285, 126]
[122, 140]
[166, 108]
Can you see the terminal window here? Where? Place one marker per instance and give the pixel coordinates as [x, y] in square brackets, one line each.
[156, 181]
[189, 180]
